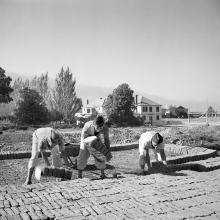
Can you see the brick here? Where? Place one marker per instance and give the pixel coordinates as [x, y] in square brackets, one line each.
[29, 208]
[3, 212]
[23, 209]
[49, 214]
[42, 216]
[9, 211]
[15, 210]
[111, 216]
[98, 209]
[90, 210]
[35, 207]
[13, 203]
[85, 212]
[26, 201]
[25, 216]
[20, 202]
[6, 204]
[34, 216]
[1, 204]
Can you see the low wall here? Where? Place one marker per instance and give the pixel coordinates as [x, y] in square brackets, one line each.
[185, 153]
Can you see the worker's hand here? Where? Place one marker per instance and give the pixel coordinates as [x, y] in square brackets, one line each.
[164, 162]
[67, 166]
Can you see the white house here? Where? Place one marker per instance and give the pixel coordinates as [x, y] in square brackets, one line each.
[89, 111]
[165, 111]
[149, 110]
[93, 108]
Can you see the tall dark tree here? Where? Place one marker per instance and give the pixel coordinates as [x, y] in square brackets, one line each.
[5, 88]
[119, 105]
[18, 85]
[172, 110]
[31, 108]
[40, 84]
[64, 97]
[181, 112]
[210, 111]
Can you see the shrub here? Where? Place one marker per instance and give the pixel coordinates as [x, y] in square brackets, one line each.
[5, 127]
[22, 127]
[31, 108]
[62, 126]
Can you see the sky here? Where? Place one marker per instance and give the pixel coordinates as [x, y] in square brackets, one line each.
[167, 48]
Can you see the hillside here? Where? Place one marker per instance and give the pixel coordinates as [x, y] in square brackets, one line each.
[95, 92]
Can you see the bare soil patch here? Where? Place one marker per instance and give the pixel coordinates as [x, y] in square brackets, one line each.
[15, 171]
[206, 136]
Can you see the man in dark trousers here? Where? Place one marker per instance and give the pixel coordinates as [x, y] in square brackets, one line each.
[95, 142]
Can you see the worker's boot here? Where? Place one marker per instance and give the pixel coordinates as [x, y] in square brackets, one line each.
[103, 176]
[80, 174]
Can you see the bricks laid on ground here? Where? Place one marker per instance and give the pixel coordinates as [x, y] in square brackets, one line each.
[183, 195]
[188, 191]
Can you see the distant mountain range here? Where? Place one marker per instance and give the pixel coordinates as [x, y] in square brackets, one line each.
[92, 93]
[95, 92]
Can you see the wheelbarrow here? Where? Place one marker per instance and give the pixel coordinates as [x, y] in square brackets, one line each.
[72, 150]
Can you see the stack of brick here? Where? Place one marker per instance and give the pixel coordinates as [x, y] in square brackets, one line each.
[56, 172]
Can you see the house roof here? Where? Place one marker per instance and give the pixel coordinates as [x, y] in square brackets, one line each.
[145, 101]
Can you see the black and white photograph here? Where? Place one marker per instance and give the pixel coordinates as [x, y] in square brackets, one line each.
[109, 109]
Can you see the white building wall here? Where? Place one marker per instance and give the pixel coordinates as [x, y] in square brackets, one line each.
[88, 110]
[139, 109]
[154, 114]
[100, 110]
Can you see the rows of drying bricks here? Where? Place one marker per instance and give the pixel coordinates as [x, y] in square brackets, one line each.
[184, 195]
[71, 150]
[186, 153]
[49, 202]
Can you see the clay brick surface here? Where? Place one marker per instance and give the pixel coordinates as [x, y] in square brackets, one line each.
[185, 192]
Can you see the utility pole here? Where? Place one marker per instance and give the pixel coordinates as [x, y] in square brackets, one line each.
[188, 116]
[206, 112]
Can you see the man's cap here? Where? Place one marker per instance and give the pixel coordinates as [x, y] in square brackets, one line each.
[157, 138]
[99, 120]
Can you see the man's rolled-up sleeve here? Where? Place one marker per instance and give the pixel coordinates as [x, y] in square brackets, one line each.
[142, 150]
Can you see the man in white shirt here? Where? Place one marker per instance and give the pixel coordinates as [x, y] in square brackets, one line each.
[95, 142]
[46, 139]
[151, 140]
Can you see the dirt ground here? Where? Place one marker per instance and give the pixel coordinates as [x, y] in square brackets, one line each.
[207, 136]
[14, 171]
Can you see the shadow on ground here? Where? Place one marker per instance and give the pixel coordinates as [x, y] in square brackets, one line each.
[171, 169]
[91, 167]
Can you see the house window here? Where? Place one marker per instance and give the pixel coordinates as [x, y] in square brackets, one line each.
[157, 109]
[144, 117]
[88, 110]
[150, 109]
[145, 109]
[158, 117]
[151, 119]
